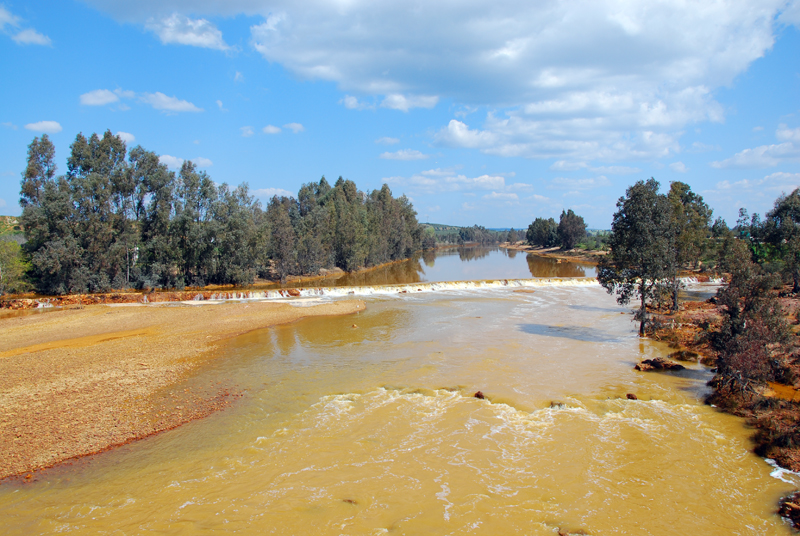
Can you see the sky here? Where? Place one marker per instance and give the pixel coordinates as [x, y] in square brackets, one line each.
[481, 112]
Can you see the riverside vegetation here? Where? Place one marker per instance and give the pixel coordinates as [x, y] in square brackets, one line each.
[121, 219]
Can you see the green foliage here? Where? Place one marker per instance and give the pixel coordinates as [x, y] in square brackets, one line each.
[781, 231]
[543, 233]
[753, 324]
[642, 248]
[571, 229]
[121, 219]
[12, 268]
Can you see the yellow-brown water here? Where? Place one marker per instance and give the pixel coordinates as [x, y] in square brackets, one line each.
[374, 430]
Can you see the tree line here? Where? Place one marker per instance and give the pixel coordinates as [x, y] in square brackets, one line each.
[121, 219]
[655, 236]
[567, 233]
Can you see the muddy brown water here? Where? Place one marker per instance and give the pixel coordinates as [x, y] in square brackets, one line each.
[368, 425]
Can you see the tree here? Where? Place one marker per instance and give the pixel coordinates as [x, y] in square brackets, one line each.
[690, 220]
[12, 268]
[641, 247]
[783, 233]
[571, 228]
[543, 233]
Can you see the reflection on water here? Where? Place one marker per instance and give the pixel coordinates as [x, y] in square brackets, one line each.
[459, 264]
[366, 424]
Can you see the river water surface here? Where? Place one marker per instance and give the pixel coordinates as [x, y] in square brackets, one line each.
[367, 424]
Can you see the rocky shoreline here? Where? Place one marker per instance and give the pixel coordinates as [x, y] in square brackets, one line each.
[773, 410]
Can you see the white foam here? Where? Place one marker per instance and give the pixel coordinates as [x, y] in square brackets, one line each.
[785, 475]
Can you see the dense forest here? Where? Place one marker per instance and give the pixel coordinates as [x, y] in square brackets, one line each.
[121, 219]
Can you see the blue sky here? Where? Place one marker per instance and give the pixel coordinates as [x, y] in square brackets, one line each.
[481, 112]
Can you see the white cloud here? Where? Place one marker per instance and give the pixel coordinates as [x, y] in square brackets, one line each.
[295, 127]
[758, 129]
[246, 131]
[759, 157]
[31, 37]
[405, 103]
[502, 196]
[583, 80]
[10, 125]
[202, 162]
[162, 102]
[27, 36]
[238, 77]
[774, 183]
[387, 141]
[127, 137]
[405, 154]
[352, 103]
[180, 29]
[172, 162]
[2, 202]
[565, 183]
[7, 19]
[47, 127]
[458, 134]
[678, 167]
[271, 129]
[563, 165]
[446, 180]
[785, 133]
[99, 97]
[220, 106]
[269, 193]
[520, 186]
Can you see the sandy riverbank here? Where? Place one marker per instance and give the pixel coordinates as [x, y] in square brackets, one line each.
[574, 255]
[75, 382]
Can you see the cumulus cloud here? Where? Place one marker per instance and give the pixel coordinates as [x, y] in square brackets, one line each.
[162, 102]
[446, 180]
[99, 97]
[127, 137]
[565, 183]
[774, 183]
[269, 193]
[46, 127]
[10, 24]
[295, 127]
[352, 103]
[405, 154]
[172, 162]
[502, 196]
[271, 129]
[579, 81]
[181, 30]
[246, 131]
[785, 133]
[220, 106]
[678, 167]
[405, 103]
[30, 36]
[563, 165]
[760, 157]
[387, 141]
[202, 162]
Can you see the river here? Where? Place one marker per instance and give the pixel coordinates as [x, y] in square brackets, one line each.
[367, 424]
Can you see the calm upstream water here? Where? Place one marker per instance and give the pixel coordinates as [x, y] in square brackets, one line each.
[374, 430]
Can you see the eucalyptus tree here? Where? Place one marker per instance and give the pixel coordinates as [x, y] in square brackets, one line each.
[543, 232]
[783, 233]
[641, 248]
[691, 218]
[571, 229]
